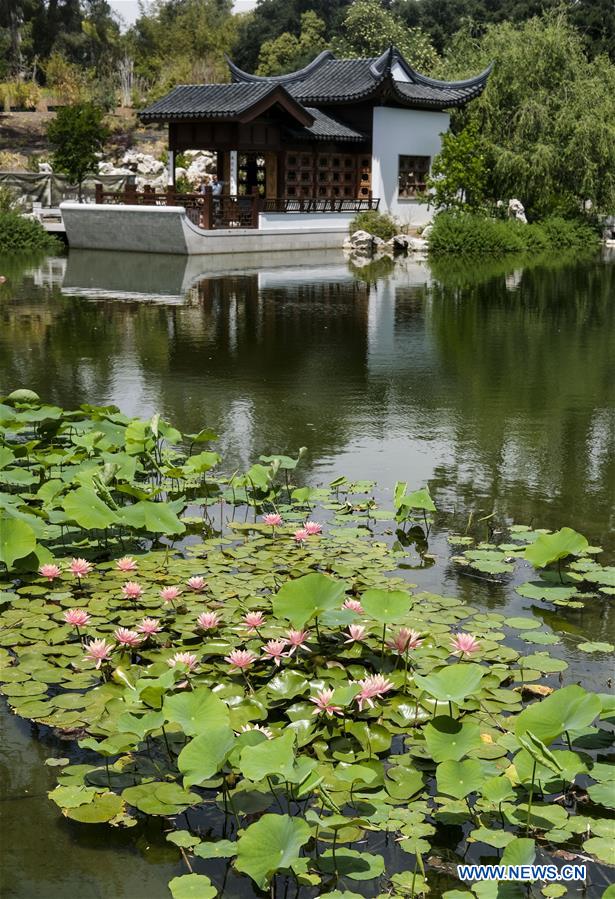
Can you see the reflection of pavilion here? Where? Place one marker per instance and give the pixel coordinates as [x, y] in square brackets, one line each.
[171, 278]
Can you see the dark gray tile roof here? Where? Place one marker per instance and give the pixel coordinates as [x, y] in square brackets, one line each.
[326, 81]
[215, 101]
[325, 127]
[330, 80]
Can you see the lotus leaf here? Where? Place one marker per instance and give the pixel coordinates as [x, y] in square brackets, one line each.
[17, 539]
[453, 683]
[271, 844]
[203, 756]
[269, 757]
[219, 849]
[449, 739]
[102, 808]
[196, 712]
[386, 606]
[307, 597]
[351, 863]
[192, 886]
[568, 709]
[459, 779]
[549, 548]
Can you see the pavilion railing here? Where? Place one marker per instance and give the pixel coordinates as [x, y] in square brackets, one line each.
[229, 211]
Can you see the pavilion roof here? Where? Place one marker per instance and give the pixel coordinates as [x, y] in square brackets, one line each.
[326, 81]
[330, 80]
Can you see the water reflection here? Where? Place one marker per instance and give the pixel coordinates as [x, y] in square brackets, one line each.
[497, 384]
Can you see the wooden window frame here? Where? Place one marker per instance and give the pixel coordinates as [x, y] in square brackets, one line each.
[412, 172]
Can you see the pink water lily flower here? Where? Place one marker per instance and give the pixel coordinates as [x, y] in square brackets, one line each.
[76, 617]
[465, 644]
[50, 571]
[301, 535]
[197, 584]
[323, 703]
[405, 640]
[132, 590]
[253, 620]
[125, 564]
[183, 658]
[356, 633]
[98, 651]
[273, 519]
[170, 594]
[274, 649]
[246, 728]
[80, 568]
[126, 637]
[149, 627]
[240, 659]
[373, 686]
[208, 621]
[312, 527]
[354, 606]
[297, 640]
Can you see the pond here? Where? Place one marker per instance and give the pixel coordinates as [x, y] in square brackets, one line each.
[493, 384]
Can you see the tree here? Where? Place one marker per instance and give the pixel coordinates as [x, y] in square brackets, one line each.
[459, 172]
[547, 116]
[182, 40]
[271, 18]
[287, 53]
[368, 29]
[77, 135]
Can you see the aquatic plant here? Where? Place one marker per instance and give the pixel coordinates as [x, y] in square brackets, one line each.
[293, 702]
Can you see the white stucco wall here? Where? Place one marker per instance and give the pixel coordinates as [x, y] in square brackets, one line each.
[403, 132]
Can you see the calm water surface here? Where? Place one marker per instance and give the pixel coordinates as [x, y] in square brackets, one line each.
[496, 385]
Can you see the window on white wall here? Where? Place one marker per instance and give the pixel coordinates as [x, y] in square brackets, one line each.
[412, 177]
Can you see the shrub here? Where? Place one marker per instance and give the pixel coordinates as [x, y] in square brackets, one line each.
[374, 223]
[22, 235]
[475, 235]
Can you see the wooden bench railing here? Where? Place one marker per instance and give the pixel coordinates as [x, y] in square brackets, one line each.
[230, 211]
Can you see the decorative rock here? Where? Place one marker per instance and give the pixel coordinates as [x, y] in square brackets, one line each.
[362, 242]
[417, 245]
[44, 168]
[516, 211]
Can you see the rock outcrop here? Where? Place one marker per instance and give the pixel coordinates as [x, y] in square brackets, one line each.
[362, 245]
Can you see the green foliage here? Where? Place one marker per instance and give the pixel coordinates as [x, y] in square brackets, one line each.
[287, 53]
[375, 223]
[475, 235]
[369, 28]
[77, 135]
[21, 235]
[174, 43]
[547, 117]
[458, 176]
[272, 18]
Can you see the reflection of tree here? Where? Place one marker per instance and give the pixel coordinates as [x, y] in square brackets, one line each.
[531, 376]
[61, 348]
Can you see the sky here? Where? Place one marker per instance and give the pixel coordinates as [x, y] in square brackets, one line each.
[129, 9]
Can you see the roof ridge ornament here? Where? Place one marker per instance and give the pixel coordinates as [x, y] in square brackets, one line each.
[239, 75]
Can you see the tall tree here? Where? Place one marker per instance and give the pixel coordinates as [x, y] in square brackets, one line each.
[77, 136]
[369, 28]
[547, 117]
[272, 18]
[287, 53]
